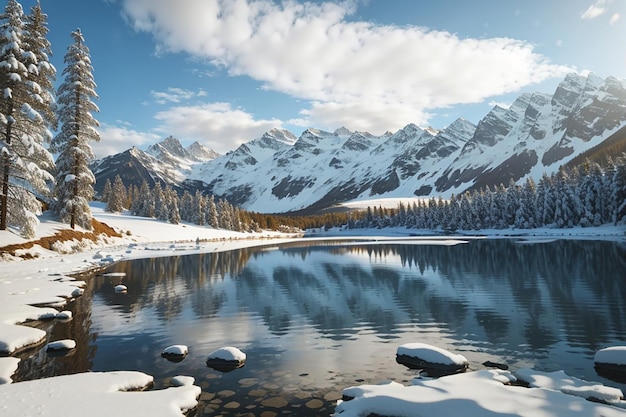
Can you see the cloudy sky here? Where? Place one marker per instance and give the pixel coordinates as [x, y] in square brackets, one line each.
[223, 72]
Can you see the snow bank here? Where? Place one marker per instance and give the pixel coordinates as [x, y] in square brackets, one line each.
[18, 296]
[97, 395]
[560, 381]
[8, 366]
[483, 393]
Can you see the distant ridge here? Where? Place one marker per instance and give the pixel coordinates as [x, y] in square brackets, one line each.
[585, 117]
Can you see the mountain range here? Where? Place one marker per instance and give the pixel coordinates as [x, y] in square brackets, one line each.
[279, 172]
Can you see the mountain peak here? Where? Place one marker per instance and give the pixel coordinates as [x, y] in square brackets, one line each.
[342, 131]
[201, 152]
[282, 135]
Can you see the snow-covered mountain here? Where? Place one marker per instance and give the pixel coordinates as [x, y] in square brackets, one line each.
[167, 162]
[280, 173]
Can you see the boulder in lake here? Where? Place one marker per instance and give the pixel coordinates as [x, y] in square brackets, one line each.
[64, 347]
[121, 288]
[611, 363]
[226, 359]
[431, 359]
[175, 353]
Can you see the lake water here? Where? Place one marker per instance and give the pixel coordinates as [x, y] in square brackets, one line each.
[317, 317]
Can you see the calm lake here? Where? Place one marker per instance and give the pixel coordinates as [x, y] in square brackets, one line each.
[316, 317]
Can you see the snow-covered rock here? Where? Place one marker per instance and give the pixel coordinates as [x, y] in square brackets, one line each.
[615, 355]
[64, 344]
[175, 353]
[611, 363]
[121, 288]
[64, 315]
[432, 359]
[226, 359]
[182, 381]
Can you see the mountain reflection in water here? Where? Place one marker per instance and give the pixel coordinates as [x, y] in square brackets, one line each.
[322, 316]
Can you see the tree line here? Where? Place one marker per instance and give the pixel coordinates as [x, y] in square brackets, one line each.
[585, 196]
[30, 110]
[164, 203]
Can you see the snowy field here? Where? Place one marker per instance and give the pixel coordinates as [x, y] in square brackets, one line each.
[44, 281]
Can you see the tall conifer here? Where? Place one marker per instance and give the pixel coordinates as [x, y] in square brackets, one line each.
[74, 179]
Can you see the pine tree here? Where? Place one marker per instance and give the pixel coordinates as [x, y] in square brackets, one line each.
[74, 179]
[115, 203]
[24, 124]
[212, 215]
[106, 191]
[169, 210]
[200, 203]
[619, 191]
[37, 29]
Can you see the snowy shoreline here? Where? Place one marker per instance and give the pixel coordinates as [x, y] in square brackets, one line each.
[46, 281]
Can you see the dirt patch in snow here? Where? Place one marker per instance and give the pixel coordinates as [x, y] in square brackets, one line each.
[99, 230]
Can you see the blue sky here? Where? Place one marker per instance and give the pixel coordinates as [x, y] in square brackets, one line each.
[223, 72]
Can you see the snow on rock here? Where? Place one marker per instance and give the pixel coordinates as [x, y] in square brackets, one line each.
[64, 315]
[226, 359]
[434, 360]
[64, 344]
[560, 381]
[96, 394]
[121, 288]
[175, 350]
[228, 353]
[113, 274]
[8, 366]
[175, 353]
[615, 355]
[182, 381]
[484, 393]
[611, 363]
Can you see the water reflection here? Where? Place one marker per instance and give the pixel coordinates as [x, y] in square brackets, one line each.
[336, 313]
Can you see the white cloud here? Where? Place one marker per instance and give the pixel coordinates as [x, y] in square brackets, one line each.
[215, 125]
[361, 74]
[499, 104]
[595, 10]
[175, 95]
[614, 18]
[115, 139]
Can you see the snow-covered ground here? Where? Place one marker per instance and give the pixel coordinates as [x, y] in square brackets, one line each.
[45, 281]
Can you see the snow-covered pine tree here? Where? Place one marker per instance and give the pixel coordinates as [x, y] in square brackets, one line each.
[173, 214]
[619, 191]
[212, 216]
[117, 198]
[186, 207]
[141, 201]
[526, 210]
[36, 26]
[200, 203]
[74, 179]
[24, 124]
[106, 191]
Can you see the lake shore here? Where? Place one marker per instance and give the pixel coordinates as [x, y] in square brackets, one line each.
[36, 281]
